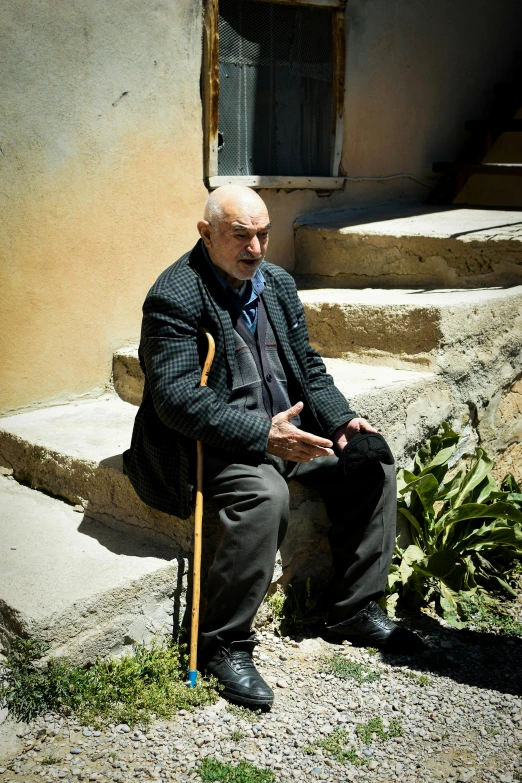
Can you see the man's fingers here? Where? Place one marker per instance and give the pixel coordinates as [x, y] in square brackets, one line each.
[302, 453]
[313, 440]
[366, 426]
[291, 412]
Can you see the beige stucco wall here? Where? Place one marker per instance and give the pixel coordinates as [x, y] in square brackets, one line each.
[99, 191]
[101, 156]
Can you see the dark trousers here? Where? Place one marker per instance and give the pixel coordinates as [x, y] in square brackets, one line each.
[253, 503]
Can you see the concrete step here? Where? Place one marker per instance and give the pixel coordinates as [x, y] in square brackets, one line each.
[414, 247]
[74, 451]
[440, 329]
[72, 582]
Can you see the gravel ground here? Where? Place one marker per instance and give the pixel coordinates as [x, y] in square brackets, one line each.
[458, 705]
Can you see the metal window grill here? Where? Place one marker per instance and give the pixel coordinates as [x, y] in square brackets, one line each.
[275, 89]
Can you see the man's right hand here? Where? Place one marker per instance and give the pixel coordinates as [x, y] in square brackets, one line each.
[287, 441]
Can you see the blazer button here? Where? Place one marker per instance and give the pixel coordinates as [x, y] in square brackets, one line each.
[269, 378]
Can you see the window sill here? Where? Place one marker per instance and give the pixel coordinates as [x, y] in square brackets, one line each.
[283, 183]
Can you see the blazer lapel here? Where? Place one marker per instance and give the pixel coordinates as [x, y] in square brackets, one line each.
[218, 301]
[275, 314]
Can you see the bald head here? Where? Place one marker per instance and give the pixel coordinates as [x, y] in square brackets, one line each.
[230, 200]
[235, 232]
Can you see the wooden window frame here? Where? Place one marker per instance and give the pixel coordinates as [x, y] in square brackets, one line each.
[210, 91]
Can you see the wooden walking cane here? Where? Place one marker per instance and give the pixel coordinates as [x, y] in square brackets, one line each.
[198, 524]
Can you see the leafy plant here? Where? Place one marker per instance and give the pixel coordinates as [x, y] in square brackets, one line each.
[345, 669]
[375, 726]
[131, 689]
[297, 609]
[465, 529]
[236, 735]
[211, 769]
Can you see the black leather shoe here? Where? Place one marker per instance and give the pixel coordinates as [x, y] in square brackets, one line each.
[371, 627]
[235, 670]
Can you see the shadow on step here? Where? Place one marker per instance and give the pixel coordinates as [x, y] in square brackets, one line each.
[124, 543]
[115, 462]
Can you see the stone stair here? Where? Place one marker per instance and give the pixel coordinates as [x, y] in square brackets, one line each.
[411, 247]
[440, 330]
[406, 358]
[76, 584]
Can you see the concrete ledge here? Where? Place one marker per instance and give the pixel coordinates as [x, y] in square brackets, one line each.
[72, 582]
[74, 452]
[127, 376]
[415, 247]
[438, 330]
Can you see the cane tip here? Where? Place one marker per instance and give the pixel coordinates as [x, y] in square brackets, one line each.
[192, 677]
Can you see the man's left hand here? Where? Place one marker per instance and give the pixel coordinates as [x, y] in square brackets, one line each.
[343, 434]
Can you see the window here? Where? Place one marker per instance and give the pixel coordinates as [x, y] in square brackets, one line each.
[274, 88]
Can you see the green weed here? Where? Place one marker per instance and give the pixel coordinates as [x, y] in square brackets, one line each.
[345, 669]
[213, 770]
[422, 679]
[488, 615]
[50, 760]
[335, 746]
[375, 726]
[237, 735]
[149, 682]
[297, 609]
[243, 712]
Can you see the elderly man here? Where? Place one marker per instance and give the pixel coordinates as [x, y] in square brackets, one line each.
[270, 413]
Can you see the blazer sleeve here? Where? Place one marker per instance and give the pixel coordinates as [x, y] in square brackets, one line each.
[170, 359]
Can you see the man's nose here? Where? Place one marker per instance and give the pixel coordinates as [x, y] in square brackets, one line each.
[254, 246]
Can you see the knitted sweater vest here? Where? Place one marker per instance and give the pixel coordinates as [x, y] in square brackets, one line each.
[259, 382]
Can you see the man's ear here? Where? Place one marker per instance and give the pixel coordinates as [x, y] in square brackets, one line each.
[205, 232]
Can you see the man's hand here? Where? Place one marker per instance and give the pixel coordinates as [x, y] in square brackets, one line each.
[287, 441]
[343, 434]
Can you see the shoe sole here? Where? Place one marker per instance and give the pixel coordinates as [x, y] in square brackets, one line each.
[245, 701]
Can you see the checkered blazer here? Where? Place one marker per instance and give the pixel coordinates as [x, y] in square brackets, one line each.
[176, 411]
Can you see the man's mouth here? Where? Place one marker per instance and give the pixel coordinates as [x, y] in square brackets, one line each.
[249, 261]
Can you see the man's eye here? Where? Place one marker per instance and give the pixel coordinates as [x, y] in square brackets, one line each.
[264, 235]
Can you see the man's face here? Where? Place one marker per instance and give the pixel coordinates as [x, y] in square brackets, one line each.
[237, 243]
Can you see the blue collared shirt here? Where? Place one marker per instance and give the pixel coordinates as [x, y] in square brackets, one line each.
[246, 297]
